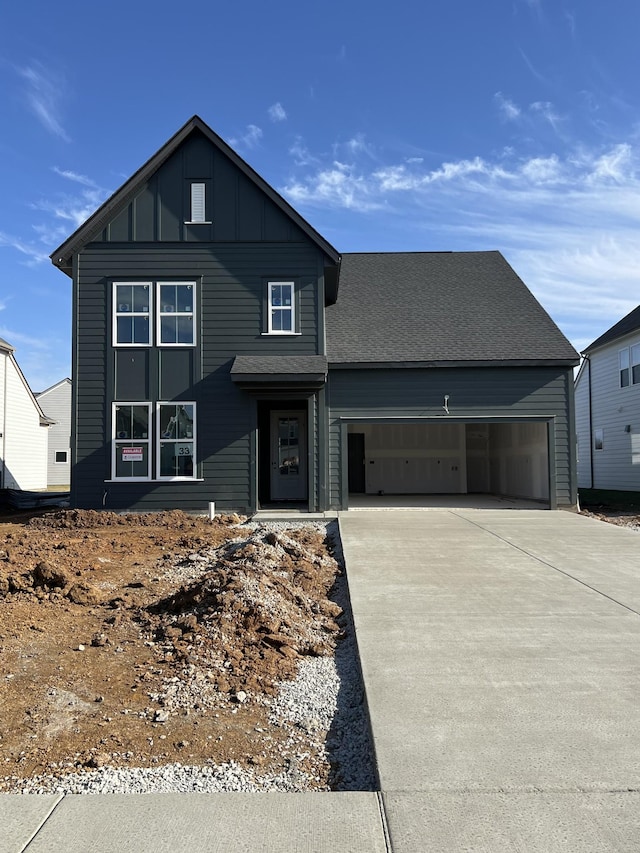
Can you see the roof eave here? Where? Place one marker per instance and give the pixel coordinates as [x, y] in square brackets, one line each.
[430, 365]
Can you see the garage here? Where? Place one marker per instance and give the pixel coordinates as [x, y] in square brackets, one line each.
[507, 458]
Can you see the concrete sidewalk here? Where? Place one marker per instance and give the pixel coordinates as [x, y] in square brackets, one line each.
[501, 657]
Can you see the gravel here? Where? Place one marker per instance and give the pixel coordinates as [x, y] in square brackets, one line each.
[322, 710]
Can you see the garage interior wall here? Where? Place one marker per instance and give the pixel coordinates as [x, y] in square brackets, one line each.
[455, 458]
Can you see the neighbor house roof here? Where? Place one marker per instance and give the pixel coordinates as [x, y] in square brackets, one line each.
[99, 220]
[6, 346]
[440, 308]
[628, 324]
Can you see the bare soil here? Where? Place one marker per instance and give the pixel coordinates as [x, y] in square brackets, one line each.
[139, 640]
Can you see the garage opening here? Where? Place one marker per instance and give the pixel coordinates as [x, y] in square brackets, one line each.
[505, 459]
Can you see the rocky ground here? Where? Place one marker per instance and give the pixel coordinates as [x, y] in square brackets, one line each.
[167, 652]
[623, 518]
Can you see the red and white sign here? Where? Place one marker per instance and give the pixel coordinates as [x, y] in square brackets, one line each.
[132, 454]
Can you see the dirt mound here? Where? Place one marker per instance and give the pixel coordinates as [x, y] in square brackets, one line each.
[128, 639]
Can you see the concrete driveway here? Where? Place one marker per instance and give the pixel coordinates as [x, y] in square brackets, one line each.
[501, 658]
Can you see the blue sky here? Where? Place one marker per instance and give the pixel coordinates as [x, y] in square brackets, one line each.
[448, 125]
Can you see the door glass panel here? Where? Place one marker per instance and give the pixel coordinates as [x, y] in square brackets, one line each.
[288, 449]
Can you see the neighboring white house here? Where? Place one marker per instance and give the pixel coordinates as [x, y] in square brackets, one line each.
[23, 429]
[55, 402]
[607, 395]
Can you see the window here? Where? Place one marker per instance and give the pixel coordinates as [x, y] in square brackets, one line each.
[132, 313]
[281, 308]
[61, 456]
[176, 440]
[176, 315]
[174, 445]
[635, 364]
[598, 439]
[131, 459]
[174, 311]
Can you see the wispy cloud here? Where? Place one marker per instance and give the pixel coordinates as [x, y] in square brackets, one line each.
[44, 91]
[548, 113]
[70, 208]
[568, 221]
[34, 253]
[277, 112]
[249, 139]
[507, 108]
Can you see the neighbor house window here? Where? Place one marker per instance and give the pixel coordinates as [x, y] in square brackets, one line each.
[132, 313]
[173, 309]
[176, 440]
[131, 457]
[635, 364]
[176, 314]
[61, 455]
[598, 439]
[281, 307]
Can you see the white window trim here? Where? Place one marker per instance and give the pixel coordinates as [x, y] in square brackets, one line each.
[115, 441]
[116, 313]
[204, 220]
[193, 440]
[271, 331]
[160, 314]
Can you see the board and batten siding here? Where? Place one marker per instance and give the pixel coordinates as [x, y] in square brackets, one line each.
[55, 402]
[24, 439]
[230, 320]
[543, 393]
[615, 411]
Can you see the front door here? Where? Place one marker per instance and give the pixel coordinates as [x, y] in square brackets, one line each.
[288, 456]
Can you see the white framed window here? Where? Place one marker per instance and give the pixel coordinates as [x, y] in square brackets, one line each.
[598, 439]
[176, 441]
[635, 364]
[61, 457]
[132, 313]
[198, 203]
[176, 313]
[131, 445]
[281, 308]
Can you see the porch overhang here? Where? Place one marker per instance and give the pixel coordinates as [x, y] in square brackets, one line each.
[279, 371]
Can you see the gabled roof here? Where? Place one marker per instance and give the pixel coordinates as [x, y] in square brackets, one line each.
[99, 220]
[64, 381]
[6, 346]
[10, 351]
[628, 324]
[439, 308]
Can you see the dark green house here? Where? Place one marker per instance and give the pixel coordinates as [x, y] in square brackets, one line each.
[224, 351]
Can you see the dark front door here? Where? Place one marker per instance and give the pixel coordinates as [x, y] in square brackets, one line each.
[288, 456]
[356, 463]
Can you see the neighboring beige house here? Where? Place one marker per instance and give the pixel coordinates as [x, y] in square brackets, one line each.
[55, 402]
[23, 429]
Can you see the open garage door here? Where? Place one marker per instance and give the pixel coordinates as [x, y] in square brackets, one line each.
[450, 457]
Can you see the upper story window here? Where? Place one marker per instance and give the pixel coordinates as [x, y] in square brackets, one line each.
[176, 313]
[629, 365]
[132, 313]
[281, 308]
[134, 308]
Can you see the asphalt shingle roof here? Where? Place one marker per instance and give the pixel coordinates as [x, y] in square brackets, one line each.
[279, 364]
[438, 307]
[628, 324]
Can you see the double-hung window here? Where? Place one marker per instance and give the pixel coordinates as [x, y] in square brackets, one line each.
[132, 313]
[148, 312]
[281, 308]
[131, 457]
[176, 440]
[176, 313]
[164, 442]
[629, 365]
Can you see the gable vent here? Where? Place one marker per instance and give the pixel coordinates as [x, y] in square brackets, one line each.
[198, 203]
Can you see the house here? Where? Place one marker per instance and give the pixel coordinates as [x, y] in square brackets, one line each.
[55, 402]
[607, 394]
[225, 351]
[23, 428]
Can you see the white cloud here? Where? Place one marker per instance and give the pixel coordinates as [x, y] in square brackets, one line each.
[34, 254]
[44, 91]
[508, 110]
[249, 139]
[548, 113]
[277, 112]
[71, 208]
